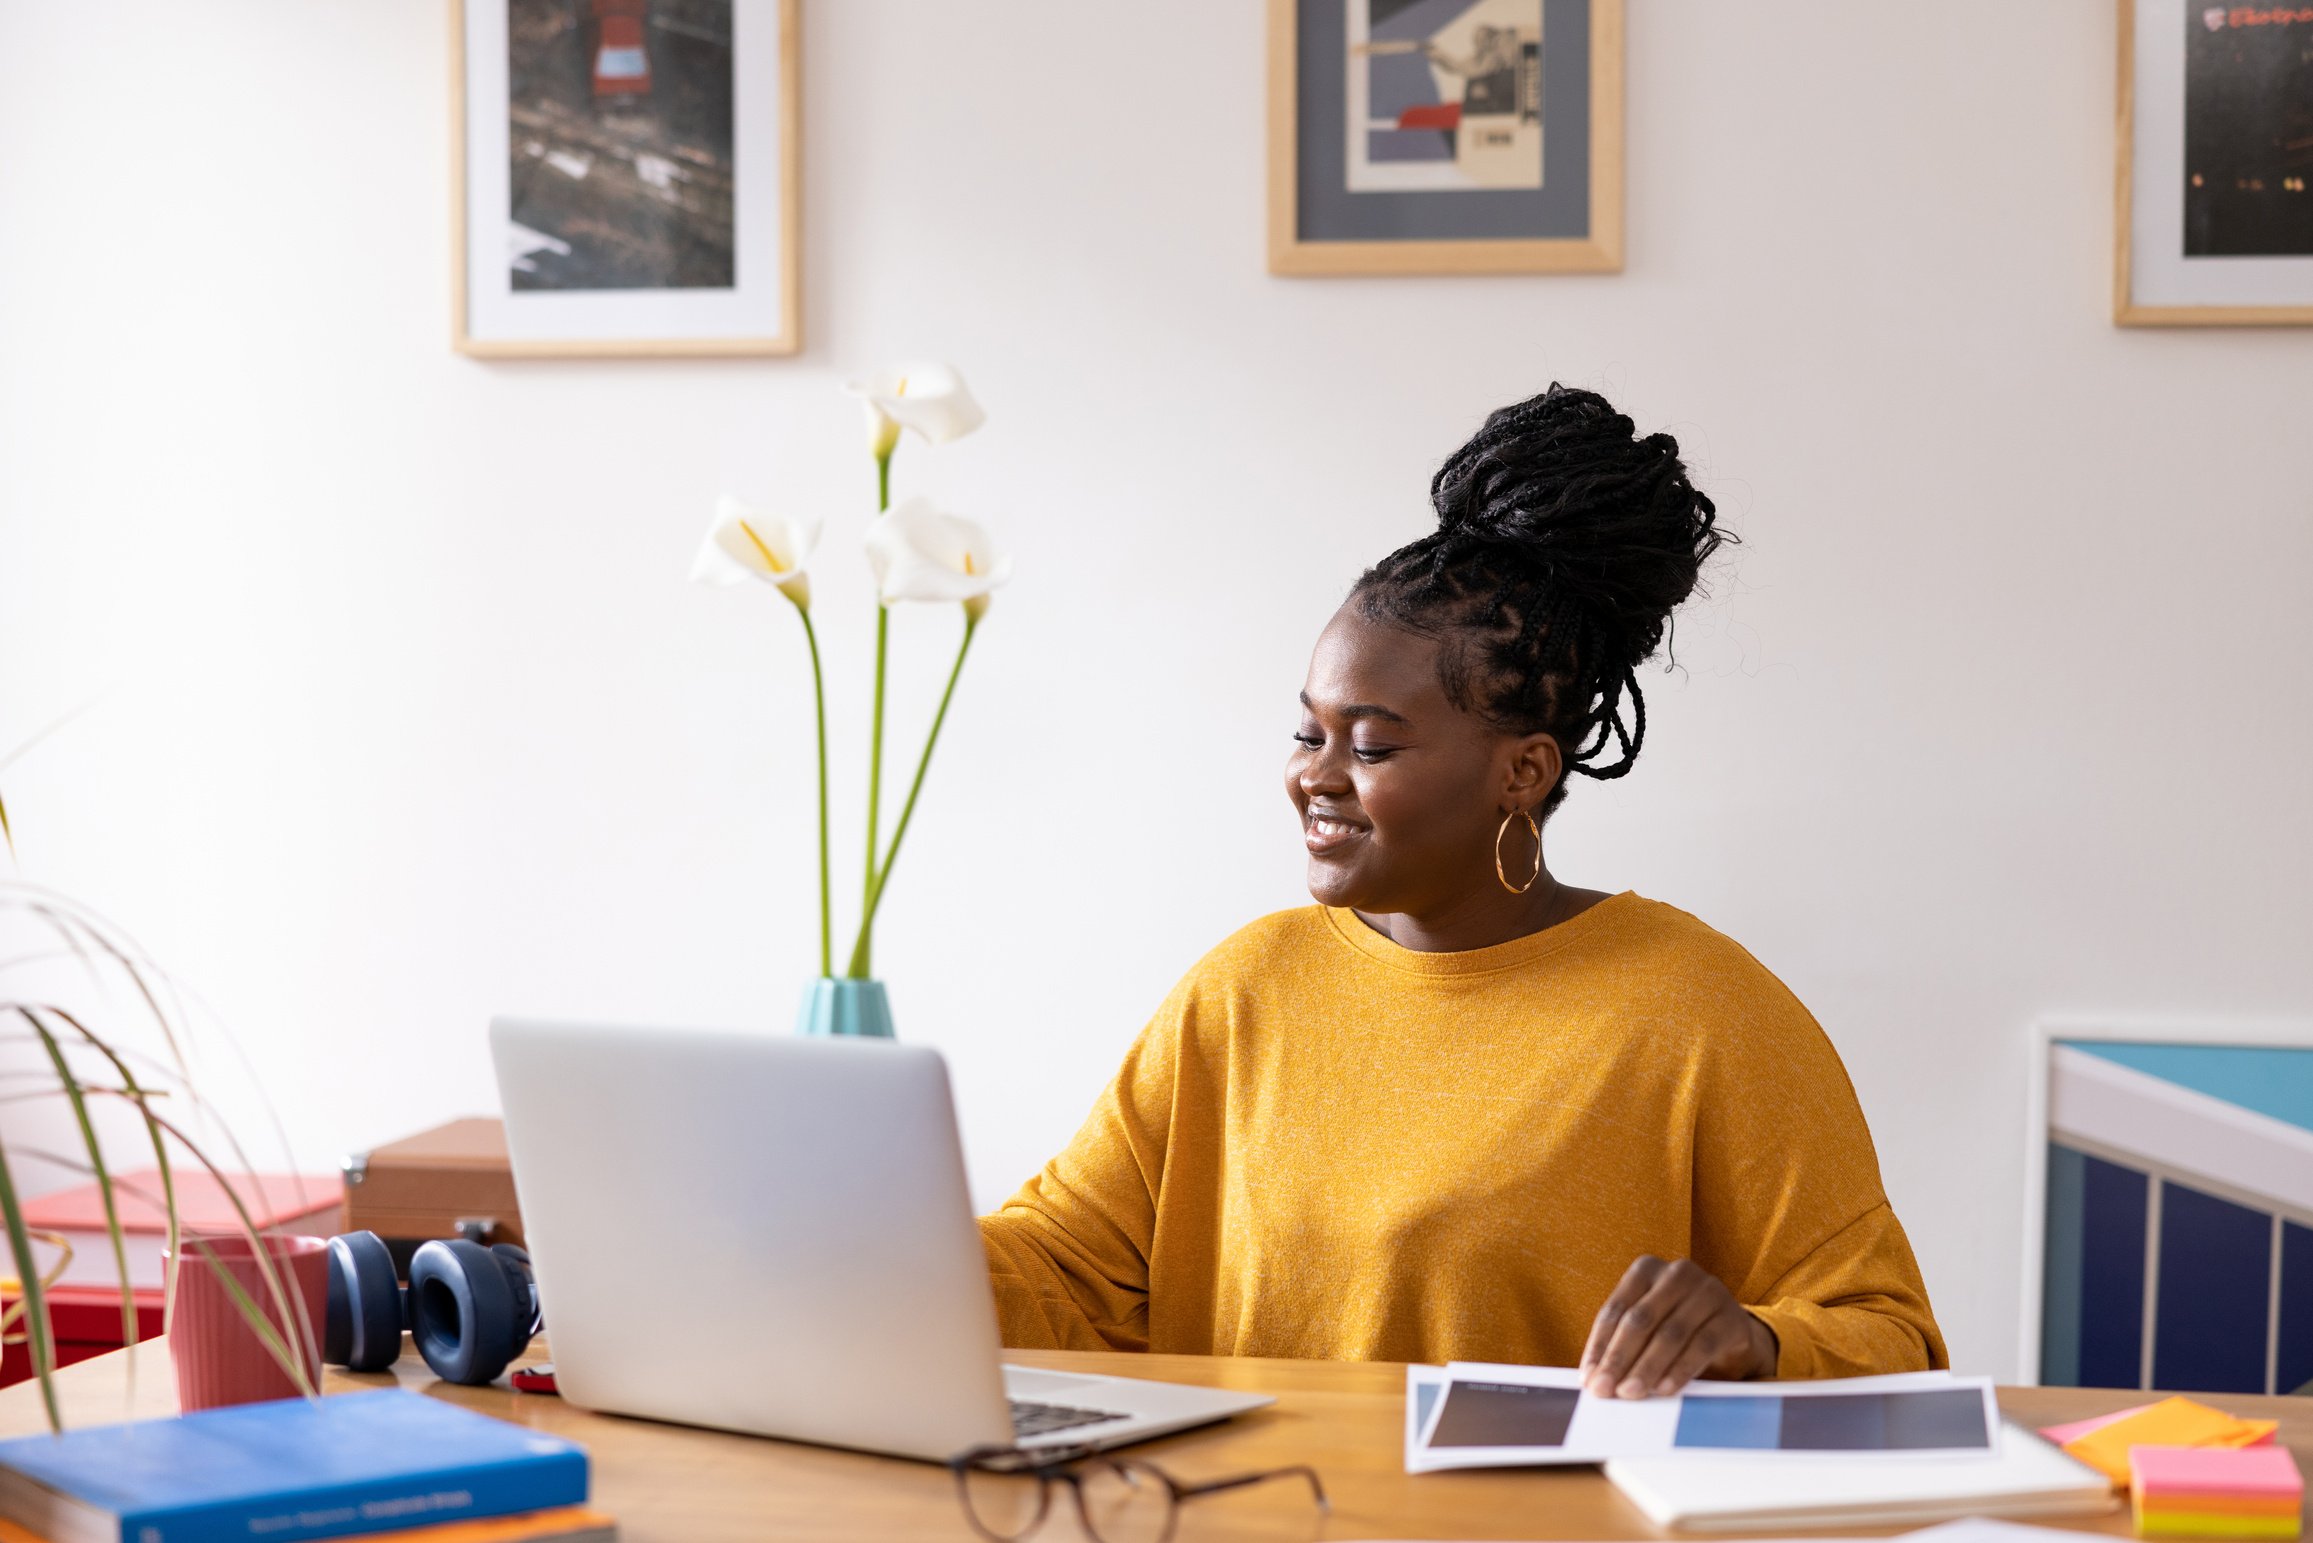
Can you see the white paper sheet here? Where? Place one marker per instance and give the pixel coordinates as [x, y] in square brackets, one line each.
[1498, 1403]
[1975, 1529]
[1424, 1386]
[1985, 1529]
[1735, 1494]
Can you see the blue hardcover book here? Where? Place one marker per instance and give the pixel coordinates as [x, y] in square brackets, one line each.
[354, 1463]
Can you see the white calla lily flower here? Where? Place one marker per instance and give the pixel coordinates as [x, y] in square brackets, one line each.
[918, 553]
[745, 544]
[923, 395]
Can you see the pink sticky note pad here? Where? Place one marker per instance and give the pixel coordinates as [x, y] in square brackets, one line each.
[2065, 1434]
[2266, 1472]
[2060, 1434]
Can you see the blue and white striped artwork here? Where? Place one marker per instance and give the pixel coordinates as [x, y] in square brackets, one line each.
[2179, 1247]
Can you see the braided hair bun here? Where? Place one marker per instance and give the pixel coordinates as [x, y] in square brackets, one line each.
[1564, 541]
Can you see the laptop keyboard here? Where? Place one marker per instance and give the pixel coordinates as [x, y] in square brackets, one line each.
[1033, 1419]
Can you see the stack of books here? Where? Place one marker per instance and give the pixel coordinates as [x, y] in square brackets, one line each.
[386, 1464]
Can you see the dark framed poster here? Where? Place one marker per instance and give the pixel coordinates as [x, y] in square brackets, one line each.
[1445, 136]
[2213, 197]
[625, 177]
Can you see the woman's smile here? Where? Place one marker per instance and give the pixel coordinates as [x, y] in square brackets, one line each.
[1326, 832]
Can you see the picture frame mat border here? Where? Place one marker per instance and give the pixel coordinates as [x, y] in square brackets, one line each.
[2125, 311]
[790, 339]
[1599, 252]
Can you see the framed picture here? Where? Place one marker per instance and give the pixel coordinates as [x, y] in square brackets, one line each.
[625, 177]
[2214, 199]
[1445, 136]
[2169, 1209]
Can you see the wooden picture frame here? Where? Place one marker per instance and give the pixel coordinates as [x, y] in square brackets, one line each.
[695, 199]
[2188, 1150]
[1322, 222]
[2177, 260]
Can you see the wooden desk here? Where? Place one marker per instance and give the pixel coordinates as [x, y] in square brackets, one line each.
[667, 1484]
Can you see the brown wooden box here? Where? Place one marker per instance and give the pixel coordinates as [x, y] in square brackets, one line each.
[451, 1181]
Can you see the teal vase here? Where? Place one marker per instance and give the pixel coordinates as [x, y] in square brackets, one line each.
[839, 1006]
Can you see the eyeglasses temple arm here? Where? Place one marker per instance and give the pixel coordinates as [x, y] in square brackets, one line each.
[1184, 1491]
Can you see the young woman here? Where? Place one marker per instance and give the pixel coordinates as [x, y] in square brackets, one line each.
[1458, 1110]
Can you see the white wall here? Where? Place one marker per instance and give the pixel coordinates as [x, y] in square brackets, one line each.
[406, 716]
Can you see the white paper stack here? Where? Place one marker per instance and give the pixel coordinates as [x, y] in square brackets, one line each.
[1759, 1457]
[2028, 1477]
[1480, 1415]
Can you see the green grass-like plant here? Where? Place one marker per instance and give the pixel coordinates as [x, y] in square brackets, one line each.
[84, 1067]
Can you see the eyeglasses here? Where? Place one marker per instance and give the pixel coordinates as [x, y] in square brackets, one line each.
[1007, 1492]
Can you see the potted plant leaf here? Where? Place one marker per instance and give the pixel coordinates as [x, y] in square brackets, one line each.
[147, 1073]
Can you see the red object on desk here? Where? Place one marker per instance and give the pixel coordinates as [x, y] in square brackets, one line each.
[87, 1323]
[276, 1202]
[535, 1379]
[84, 1307]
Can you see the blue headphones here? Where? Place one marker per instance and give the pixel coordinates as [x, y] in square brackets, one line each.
[471, 1309]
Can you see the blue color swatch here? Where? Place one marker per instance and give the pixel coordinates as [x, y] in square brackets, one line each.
[1752, 1423]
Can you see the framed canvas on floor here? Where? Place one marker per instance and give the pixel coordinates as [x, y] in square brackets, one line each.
[2214, 193]
[625, 177]
[1445, 136]
[2169, 1208]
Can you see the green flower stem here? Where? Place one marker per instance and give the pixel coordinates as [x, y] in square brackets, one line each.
[859, 952]
[859, 965]
[874, 772]
[826, 892]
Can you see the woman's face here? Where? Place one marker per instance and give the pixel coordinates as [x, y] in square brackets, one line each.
[1400, 792]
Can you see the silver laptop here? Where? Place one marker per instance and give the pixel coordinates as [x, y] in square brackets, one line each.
[772, 1235]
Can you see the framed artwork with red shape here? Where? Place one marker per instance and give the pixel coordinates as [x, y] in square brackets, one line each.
[626, 177]
[1445, 136]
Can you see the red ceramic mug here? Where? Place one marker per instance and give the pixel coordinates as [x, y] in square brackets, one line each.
[220, 1360]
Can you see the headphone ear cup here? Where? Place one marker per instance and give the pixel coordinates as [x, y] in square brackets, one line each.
[362, 1327]
[463, 1312]
[514, 1259]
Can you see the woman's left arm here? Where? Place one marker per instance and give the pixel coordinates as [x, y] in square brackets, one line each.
[1799, 1267]
[1788, 1207]
[1853, 1305]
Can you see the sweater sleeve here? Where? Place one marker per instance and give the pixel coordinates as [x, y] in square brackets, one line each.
[1853, 1306]
[1068, 1254]
[1788, 1207]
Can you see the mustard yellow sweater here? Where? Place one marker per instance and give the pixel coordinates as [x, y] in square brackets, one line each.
[1326, 1145]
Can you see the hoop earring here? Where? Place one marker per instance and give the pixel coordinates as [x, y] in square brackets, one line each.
[1533, 829]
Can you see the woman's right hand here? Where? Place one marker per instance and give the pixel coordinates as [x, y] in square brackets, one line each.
[1667, 1323]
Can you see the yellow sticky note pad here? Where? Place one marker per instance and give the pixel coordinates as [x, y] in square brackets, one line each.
[2151, 1523]
[2173, 1422]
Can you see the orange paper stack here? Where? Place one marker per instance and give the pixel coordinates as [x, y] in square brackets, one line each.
[2216, 1492]
[2173, 1422]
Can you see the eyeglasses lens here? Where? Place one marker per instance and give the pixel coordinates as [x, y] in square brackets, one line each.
[1126, 1503]
[1003, 1506]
